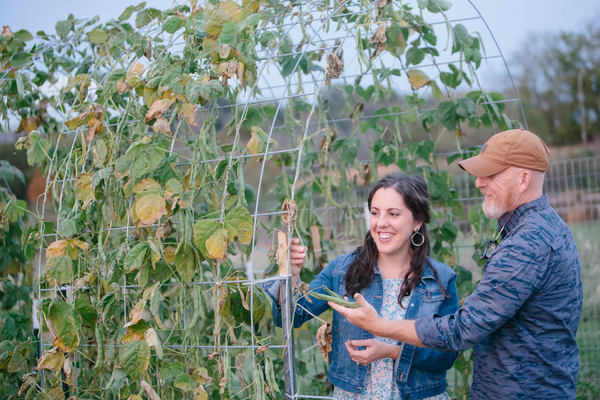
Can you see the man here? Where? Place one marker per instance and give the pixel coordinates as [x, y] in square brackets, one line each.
[523, 316]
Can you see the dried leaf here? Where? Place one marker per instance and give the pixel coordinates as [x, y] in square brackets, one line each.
[258, 141]
[123, 87]
[153, 341]
[169, 254]
[94, 126]
[162, 126]
[200, 393]
[150, 208]
[417, 79]
[68, 370]
[7, 32]
[189, 111]
[334, 67]
[52, 359]
[262, 349]
[149, 391]
[324, 340]
[291, 210]
[378, 40]
[158, 108]
[165, 230]
[28, 380]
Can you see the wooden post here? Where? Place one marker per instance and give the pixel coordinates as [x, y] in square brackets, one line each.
[316, 241]
[287, 315]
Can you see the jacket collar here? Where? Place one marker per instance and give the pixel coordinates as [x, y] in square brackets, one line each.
[521, 212]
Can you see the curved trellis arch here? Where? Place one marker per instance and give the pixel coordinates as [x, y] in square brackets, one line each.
[176, 213]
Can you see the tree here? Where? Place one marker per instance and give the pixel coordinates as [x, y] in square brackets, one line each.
[546, 76]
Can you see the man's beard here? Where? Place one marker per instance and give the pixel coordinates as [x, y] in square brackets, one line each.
[496, 207]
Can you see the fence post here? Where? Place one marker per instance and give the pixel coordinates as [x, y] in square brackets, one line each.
[287, 316]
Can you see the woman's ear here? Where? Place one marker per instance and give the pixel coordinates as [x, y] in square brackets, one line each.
[418, 227]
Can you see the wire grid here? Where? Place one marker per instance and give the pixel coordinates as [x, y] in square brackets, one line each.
[298, 134]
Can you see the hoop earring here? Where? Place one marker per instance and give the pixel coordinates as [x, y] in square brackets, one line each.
[412, 239]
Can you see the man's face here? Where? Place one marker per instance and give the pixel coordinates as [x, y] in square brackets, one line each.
[500, 191]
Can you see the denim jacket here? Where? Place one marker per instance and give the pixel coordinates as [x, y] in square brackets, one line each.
[419, 372]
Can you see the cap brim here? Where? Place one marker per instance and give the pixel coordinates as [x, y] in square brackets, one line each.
[480, 167]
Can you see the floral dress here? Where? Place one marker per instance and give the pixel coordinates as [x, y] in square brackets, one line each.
[380, 383]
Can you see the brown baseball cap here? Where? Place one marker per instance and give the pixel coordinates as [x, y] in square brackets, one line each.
[514, 148]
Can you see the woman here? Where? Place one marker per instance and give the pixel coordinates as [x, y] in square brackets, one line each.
[393, 272]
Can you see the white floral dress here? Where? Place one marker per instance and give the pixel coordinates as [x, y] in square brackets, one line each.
[380, 383]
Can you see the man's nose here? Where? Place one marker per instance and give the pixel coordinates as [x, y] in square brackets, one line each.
[480, 182]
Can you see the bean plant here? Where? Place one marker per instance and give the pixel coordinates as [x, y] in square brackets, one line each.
[169, 141]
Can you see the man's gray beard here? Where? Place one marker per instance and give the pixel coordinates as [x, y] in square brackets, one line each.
[493, 209]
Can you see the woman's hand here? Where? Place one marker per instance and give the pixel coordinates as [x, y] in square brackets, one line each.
[375, 350]
[297, 259]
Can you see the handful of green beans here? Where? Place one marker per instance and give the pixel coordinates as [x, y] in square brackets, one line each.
[334, 298]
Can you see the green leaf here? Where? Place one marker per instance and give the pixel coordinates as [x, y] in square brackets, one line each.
[452, 158]
[430, 38]
[449, 230]
[203, 230]
[67, 228]
[19, 358]
[238, 223]
[126, 14]
[23, 35]
[435, 91]
[60, 269]
[20, 59]
[98, 36]
[425, 150]
[20, 84]
[134, 358]
[446, 113]
[438, 189]
[37, 152]
[414, 56]
[184, 382]
[227, 35]
[172, 24]
[66, 323]
[142, 19]
[63, 28]
[465, 107]
[436, 6]
[136, 257]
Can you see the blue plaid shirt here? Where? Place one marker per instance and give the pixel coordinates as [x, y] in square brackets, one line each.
[523, 316]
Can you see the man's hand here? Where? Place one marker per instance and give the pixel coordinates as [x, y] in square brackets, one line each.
[364, 317]
[375, 350]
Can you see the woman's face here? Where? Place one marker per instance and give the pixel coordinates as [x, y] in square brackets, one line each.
[392, 223]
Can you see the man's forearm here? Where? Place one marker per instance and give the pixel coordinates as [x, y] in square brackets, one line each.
[402, 331]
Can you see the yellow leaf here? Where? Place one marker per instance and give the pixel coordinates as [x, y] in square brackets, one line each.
[169, 254]
[150, 208]
[58, 248]
[147, 185]
[217, 244]
[417, 79]
[157, 108]
[53, 360]
[83, 190]
[200, 393]
[133, 75]
[134, 397]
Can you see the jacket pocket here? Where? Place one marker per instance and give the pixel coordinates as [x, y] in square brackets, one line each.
[431, 303]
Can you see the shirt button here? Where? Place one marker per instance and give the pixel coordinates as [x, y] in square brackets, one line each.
[407, 396]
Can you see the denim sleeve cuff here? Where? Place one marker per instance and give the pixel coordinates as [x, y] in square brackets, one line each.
[273, 290]
[428, 334]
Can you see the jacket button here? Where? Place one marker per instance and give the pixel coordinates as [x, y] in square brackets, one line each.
[407, 396]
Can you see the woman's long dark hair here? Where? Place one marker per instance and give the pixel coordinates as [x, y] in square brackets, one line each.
[413, 190]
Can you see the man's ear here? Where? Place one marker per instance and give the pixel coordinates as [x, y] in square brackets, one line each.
[525, 180]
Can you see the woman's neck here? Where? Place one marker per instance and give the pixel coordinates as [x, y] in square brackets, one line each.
[394, 266]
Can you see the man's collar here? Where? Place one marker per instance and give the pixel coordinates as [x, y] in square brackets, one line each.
[536, 205]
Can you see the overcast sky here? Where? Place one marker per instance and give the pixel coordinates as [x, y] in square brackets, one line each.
[511, 21]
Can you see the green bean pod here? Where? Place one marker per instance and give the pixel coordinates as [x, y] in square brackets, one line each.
[336, 300]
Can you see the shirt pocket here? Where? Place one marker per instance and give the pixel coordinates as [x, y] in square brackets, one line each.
[431, 303]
